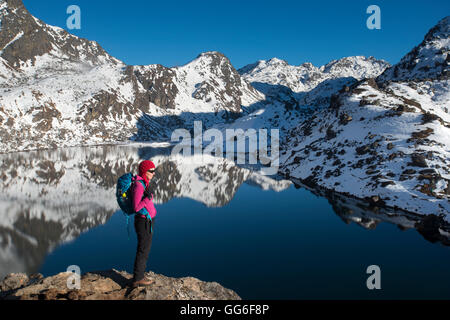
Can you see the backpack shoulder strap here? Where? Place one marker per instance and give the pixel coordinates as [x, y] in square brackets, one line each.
[144, 211]
[143, 183]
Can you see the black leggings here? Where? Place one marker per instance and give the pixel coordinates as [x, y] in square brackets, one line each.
[144, 236]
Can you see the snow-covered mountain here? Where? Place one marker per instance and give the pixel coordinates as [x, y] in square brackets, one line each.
[293, 93]
[306, 76]
[210, 79]
[60, 90]
[385, 139]
[51, 197]
[309, 84]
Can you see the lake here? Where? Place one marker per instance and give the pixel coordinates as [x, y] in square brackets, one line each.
[262, 236]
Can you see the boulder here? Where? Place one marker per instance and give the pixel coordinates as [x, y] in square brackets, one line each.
[418, 160]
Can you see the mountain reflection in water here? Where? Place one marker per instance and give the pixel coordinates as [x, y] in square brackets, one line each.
[51, 197]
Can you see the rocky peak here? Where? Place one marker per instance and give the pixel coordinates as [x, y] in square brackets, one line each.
[427, 61]
[13, 4]
[212, 79]
[20, 36]
[308, 65]
[358, 67]
[214, 55]
[23, 38]
[440, 31]
[217, 63]
[262, 64]
[276, 61]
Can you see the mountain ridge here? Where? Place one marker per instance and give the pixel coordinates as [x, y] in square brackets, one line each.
[60, 90]
[67, 91]
[429, 59]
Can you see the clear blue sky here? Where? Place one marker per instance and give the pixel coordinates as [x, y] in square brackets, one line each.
[173, 33]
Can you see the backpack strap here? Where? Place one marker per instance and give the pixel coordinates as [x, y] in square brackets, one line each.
[144, 211]
[143, 183]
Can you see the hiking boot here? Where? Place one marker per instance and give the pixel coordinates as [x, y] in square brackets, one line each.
[142, 283]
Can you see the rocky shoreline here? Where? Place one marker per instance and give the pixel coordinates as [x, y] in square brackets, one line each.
[110, 285]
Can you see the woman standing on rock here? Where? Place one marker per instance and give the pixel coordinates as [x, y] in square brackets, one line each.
[143, 224]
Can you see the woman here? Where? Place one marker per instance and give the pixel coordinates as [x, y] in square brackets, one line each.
[143, 198]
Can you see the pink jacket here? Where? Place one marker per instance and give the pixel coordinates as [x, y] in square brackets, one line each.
[137, 192]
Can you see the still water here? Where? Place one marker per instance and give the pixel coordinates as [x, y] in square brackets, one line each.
[262, 236]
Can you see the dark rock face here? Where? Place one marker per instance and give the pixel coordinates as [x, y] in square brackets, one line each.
[159, 82]
[36, 39]
[110, 285]
[106, 103]
[425, 61]
[44, 117]
[203, 90]
[418, 160]
[222, 71]
[428, 117]
[221, 67]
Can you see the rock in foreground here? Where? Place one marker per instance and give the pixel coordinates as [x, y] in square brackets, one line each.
[110, 285]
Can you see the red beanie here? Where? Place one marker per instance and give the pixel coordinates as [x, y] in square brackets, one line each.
[144, 166]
